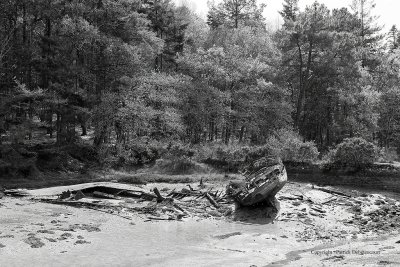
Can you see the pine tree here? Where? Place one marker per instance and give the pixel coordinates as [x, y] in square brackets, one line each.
[235, 13]
[393, 38]
[368, 31]
[290, 10]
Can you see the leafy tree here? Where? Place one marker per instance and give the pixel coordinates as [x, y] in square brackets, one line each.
[239, 64]
[332, 95]
[169, 26]
[196, 30]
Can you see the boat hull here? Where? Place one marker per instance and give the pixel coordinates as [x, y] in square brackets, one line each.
[260, 193]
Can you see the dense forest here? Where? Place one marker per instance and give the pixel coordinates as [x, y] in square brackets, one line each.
[128, 76]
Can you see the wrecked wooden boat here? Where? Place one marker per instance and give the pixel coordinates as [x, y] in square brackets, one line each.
[259, 186]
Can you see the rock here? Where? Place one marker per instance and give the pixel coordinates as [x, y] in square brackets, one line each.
[46, 232]
[65, 236]
[357, 208]
[385, 208]
[34, 242]
[313, 213]
[80, 242]
[296, 203]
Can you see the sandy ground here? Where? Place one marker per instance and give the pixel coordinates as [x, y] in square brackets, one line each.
[40, 234]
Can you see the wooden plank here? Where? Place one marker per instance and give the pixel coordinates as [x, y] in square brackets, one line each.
[212, 201]
[103, 195]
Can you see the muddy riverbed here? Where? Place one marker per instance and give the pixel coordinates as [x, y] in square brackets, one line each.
[33, 233]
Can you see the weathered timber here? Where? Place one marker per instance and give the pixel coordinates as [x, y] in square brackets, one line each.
[159, 196]
[212, 201]
[333, 192]
[103, 195]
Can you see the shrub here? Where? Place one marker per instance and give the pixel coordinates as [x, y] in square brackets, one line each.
[178, 151]
[289, 146]
[388, 155]
[16, 161]
[308, 152]
[355, 152]
[226, 157]
[129, 155]
[329, 156]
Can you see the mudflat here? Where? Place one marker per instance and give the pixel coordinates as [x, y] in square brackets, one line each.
[311, 228]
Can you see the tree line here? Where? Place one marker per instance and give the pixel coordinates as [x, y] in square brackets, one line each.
[137, 71]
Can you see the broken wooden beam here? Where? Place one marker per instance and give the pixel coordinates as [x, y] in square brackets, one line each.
[318, 209]
[103, 195]
[212, 201]
[333, 192]
[129, 193]
[159, 196]
[148, 196]
[329, 200]
[160, 218]
[190, 187]
[172, 193]
[16, 193]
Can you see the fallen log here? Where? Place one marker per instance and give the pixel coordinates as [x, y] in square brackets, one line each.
[212, 201]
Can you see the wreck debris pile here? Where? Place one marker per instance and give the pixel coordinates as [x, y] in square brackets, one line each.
[258, 187]
[374, 213]
[359, 213]
[313, 207]
[168, 205]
